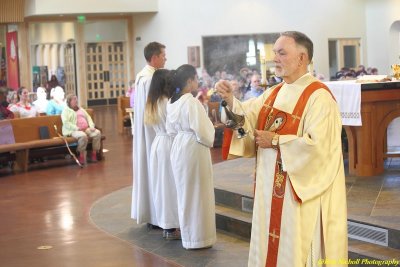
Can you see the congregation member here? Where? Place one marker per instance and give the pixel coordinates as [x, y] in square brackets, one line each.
[5, 113]
[41, 102]
[191, 160]
[236, 90]
[143, 209]
[52, 83]
[161, 178]
[57, 104]
[255, 88]
[12, 98]
[78, 124]
[299, 214]
[23, 108]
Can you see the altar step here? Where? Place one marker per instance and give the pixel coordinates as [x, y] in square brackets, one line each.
[234, 222]
[366, 241]
[359, 250]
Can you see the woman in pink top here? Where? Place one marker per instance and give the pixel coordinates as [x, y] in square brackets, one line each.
[78, 124]
[23, 108]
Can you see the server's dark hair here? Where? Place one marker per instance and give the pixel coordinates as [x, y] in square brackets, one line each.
[179, 78]
[157, 91]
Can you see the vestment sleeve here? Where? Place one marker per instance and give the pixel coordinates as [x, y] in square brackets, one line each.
[245, 147]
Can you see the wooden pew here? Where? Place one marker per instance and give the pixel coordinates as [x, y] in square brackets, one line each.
[123, 103]
[28, 143]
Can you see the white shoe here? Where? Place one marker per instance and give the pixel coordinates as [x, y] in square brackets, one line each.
[175, 235]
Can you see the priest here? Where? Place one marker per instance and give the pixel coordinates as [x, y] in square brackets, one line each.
[299, 214]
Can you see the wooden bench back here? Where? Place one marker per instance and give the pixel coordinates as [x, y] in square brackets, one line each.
[123, 103]
[27, 129]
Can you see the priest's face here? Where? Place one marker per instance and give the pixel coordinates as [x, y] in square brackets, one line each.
[288, 59]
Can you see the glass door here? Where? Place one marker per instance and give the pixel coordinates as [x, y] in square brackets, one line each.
[105, 72]
[69, 69]
[343, 53]
[349, 53]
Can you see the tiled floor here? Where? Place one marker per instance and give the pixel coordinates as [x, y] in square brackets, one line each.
[376, 200]
[371, 199]
[112, 214]
[60, 205]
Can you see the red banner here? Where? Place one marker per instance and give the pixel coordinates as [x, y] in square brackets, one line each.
[12, 60]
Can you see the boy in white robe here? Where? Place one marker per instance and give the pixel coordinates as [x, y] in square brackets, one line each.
[143, 209]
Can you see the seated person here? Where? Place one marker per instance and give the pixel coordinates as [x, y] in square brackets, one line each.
[255, 88]
[202, 94]
[12, 98]
[57, 103]
[23, 107]
[78, 124]
[374, 71]
[41, 102]
[361, 71]
[4, 112]
[51, 84]
[236, 90]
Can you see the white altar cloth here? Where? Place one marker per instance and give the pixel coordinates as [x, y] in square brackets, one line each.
[348, 97]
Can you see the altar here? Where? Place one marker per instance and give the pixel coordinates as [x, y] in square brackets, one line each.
[366, 129]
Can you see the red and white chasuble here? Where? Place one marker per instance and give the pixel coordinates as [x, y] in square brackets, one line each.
[299, 213]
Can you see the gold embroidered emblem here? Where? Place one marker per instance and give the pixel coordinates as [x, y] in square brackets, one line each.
[279, 180]
[267, 105]
[279, 187]
[295, 117]
[269, 117]
[274, 235]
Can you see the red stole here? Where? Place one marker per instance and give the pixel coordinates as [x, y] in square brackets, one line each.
[272, 119]
[226, 142]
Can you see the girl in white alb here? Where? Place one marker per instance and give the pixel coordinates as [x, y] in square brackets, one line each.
[161, 178]
[191, 160]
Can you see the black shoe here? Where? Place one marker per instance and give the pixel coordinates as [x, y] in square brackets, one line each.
[152, 226]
